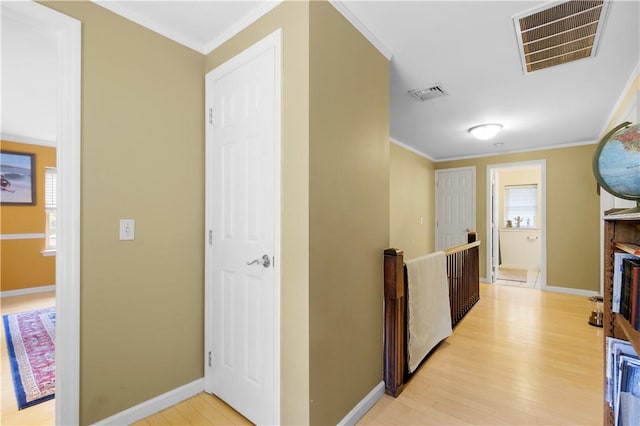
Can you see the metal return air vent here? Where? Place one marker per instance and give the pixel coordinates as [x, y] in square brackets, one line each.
[434, 91]
[559, 34]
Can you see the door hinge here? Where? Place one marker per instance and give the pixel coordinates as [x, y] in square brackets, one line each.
[210, 362]
[210, 237]
[210, 115]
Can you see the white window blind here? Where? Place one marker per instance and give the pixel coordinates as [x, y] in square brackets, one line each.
[521, 202]
[50, 188]
[50, 183]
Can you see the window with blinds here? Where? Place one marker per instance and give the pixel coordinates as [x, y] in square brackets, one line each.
[50, 182]
[521, 204]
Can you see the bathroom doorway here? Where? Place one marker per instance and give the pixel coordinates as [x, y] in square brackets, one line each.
[516, 247]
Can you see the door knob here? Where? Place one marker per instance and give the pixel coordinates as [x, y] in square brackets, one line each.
[264, 261]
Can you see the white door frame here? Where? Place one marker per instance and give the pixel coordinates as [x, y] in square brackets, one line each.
[492, 249]
[68, 31]
[273, 40]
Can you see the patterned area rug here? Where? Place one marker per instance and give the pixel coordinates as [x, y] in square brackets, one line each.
[512, 274]
[31, 345]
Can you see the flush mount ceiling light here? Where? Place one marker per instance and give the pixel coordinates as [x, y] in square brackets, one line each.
[485, 131]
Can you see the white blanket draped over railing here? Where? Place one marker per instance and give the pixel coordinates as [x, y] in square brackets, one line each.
[429, 314]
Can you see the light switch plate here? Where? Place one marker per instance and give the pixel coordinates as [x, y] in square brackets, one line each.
[127, 229]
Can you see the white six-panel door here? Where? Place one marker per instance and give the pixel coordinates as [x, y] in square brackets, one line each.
[455, 206]
[242, 241]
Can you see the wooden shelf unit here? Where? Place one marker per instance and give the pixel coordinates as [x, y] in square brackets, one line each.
[621, 235]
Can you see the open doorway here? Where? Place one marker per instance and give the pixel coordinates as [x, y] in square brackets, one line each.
[516, 247]
[67, 34]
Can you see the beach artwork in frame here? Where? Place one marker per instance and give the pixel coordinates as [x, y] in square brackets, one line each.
[17, 182]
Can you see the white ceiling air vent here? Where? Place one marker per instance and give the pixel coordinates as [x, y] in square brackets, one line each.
[560, 33]
[434, 91]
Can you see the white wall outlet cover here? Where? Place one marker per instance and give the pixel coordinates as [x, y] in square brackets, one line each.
[127, 229]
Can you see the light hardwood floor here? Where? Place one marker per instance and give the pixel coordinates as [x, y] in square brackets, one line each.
[520, 357]
[41, 414]
[202, 409]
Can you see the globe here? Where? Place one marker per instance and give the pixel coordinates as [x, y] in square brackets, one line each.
[616, 162]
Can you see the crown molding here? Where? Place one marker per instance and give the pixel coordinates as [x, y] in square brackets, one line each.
[518, 151]
[150, 24]
[240, 25]
[206, 48]
[627, 88]
[340, 7]
[410, 148]
[27, 140]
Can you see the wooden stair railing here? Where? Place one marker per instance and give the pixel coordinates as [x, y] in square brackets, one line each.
[464, 291]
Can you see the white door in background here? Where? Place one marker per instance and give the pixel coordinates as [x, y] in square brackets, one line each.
[242, 281]
[455, 206]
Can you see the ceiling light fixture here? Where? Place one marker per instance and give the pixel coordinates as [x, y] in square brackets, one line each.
[485, 131]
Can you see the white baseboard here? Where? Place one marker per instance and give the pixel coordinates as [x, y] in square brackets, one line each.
[574, 291]
[363, 406]
[31, 290]
[154, 405]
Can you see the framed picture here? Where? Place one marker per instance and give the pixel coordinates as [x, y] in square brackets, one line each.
[18, 178]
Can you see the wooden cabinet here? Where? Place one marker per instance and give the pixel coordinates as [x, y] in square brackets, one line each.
[622, 234]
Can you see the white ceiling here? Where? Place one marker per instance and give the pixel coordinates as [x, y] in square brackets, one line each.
[29, 75]
[468, 47]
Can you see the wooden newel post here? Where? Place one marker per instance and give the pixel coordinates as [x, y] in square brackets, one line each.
[394, 324]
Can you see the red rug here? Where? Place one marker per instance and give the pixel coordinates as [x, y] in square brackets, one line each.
[31, 345]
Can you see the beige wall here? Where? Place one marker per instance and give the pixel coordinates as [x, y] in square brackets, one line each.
[572, 212]
[348, 213]
[142, 158]
[293, 18]
[412, 205]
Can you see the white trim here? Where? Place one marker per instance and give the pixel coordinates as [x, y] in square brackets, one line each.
[363, 406]
[30, 290]
[8, 137]
[277, 225]
[155, 405]
[349, 16]
[574, 291]
[68, 226]
[518, 151]
[627, 87]
[491, 168]
[410, 148]
[150, 24]
[189, 42]
[21, 236]
[68, 32]
[243, 23]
